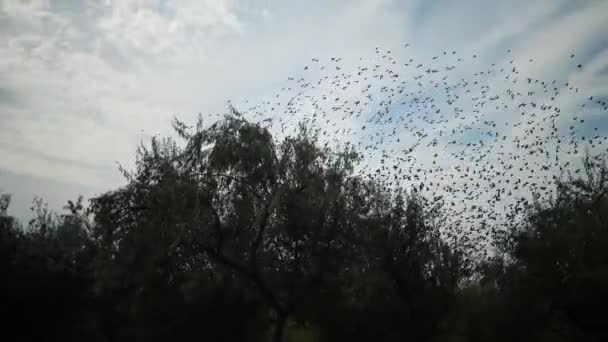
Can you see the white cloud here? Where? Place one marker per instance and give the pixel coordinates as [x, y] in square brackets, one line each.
[80, 81]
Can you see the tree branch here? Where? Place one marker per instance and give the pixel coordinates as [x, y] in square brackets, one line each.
[242, 181]
[247, 273]
[218, 228]
[261, 224]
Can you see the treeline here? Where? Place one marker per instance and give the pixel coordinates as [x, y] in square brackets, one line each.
[228, 236]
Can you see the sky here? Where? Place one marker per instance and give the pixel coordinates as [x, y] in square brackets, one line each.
[83, 82]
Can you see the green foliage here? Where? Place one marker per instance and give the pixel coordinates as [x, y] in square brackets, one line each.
[45, 272]
[288, 223]
[229, 235]
[551, 282]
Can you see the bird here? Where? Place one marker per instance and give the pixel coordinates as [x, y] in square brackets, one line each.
[480, 144]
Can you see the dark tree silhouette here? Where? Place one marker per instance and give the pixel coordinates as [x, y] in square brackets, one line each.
[227, 234]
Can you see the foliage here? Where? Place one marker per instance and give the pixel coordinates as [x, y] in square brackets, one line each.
[229, 235]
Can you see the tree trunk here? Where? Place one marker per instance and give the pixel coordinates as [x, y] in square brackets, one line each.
[279, 328]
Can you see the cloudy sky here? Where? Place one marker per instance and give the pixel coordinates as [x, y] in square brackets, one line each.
[82, 82]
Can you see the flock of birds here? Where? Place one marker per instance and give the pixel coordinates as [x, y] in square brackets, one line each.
[478, 142]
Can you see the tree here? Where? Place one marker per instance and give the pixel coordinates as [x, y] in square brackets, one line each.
[401, 279]
[232, 201]
[288, 222]
[227, 234]
[558, 269]
[45, 278]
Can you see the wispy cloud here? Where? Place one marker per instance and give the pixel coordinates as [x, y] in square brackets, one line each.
[84, 81]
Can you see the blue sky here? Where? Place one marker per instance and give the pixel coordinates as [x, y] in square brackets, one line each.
[83, 82]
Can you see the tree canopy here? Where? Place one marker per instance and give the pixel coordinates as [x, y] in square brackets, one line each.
[227, 234]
